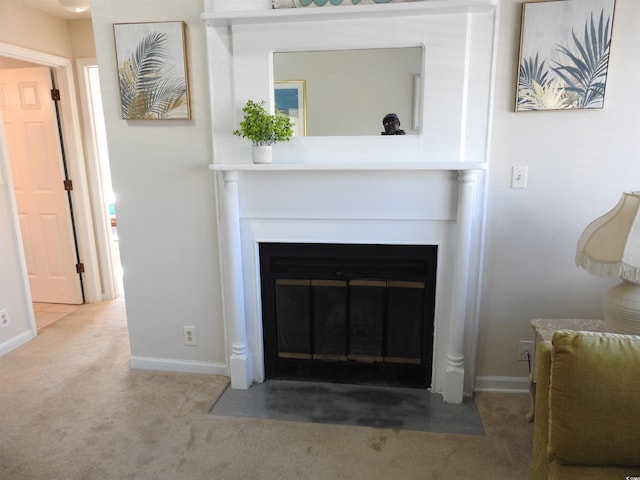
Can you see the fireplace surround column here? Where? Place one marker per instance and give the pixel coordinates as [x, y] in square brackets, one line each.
[454, 374]
[240, 369]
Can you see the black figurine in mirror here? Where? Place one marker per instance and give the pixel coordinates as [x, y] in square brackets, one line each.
[391, 124]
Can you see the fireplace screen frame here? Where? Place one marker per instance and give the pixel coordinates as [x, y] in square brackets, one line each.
[387, 275]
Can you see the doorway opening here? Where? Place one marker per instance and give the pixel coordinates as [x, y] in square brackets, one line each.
[91, 231]
[103, 198]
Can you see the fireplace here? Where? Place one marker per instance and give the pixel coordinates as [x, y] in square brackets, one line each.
[426, 189]
[348, 313]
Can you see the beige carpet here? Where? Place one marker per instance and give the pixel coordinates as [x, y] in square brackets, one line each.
[70, 408]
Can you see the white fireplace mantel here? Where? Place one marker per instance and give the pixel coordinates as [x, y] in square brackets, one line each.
[423, 189]
[343, 167]
[226, 15]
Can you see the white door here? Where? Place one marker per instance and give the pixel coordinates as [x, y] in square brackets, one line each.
[33, 143]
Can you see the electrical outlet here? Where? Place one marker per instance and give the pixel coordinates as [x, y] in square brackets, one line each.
[4, 318]
[189, 334]
[519, 177]
[525, 350]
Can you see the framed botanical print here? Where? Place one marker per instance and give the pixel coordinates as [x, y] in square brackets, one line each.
[291, 100]
[564, 54]
[152, 70]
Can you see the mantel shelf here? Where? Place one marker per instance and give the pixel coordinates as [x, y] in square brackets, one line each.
[344, 167]
[424, 7]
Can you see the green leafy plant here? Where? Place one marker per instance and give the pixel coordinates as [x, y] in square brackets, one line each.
[145, 91]
[262, 128]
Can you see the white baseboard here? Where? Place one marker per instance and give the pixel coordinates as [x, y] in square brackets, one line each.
[16, 342]
[482, 384]
[502, 384]
[175, 365]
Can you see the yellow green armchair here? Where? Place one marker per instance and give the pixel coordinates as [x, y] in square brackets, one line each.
[587, 408]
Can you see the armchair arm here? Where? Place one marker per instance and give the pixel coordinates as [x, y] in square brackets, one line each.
[541, 426]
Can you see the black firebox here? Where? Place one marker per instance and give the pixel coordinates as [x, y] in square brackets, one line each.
[348, 313]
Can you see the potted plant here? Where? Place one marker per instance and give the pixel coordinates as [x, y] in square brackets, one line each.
[263, 130]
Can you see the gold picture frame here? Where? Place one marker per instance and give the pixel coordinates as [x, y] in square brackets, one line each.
[563, 64]
[152, 70]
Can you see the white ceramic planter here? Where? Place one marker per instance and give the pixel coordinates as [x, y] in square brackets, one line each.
[261, 153]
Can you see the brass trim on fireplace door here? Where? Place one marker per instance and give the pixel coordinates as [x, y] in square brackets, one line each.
[398, 284]
[328, 283]
[366, 358]
[411, 361]
[330, 358]
[293, 282]
[367, 283]
[297, 356]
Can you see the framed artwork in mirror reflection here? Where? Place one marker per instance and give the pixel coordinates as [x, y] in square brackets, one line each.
[291, 100]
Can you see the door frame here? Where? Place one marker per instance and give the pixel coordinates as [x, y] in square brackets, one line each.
[104, 236]
[71, 133]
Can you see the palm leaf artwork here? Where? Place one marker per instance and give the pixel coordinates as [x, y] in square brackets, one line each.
[548, 96]
[587, 74]
[533, 74]
[576, 78]
[146, 91]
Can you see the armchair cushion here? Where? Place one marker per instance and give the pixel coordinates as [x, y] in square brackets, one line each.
[594, 399]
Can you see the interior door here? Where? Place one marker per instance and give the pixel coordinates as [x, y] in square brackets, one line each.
[44, 213]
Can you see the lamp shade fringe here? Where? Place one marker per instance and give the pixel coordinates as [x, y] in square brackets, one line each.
[620, 269]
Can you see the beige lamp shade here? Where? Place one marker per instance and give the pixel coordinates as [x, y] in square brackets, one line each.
[610, 245]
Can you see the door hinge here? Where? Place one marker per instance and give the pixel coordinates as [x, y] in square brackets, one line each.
[68, 185]
[55, 94]
[80, 267]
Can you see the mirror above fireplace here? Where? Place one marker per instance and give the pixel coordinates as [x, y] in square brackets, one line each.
[348, 92]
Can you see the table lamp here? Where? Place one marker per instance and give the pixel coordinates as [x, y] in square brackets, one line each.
[610, 246]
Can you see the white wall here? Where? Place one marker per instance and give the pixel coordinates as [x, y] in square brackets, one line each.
[28, 27]
[579, 164]
[164, 203]
[14, 294]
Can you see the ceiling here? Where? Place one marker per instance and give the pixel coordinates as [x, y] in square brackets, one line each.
[52, 7]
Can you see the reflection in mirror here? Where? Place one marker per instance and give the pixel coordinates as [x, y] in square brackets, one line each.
[349, 92]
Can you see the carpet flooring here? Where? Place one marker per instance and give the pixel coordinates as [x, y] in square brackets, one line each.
[72, 409]
[358, 405]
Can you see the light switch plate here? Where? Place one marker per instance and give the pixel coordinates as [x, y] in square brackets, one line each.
[519, 177]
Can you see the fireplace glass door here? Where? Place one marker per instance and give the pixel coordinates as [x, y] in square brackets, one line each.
[349, 313]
